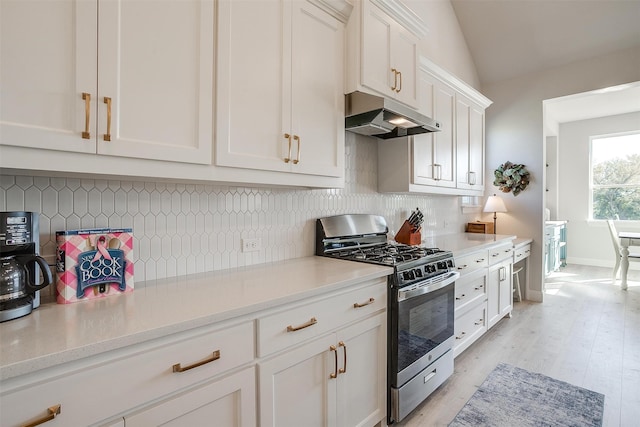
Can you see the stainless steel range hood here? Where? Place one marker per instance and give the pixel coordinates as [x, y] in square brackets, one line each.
[384, 118]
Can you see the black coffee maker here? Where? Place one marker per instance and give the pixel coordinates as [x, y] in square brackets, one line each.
[20, 264]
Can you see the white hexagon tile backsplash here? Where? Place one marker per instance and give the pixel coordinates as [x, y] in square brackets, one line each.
[183, 228]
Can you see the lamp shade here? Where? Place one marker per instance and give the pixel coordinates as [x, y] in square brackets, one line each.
[494, 204]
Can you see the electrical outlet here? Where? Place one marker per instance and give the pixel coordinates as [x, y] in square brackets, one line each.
[251, 245]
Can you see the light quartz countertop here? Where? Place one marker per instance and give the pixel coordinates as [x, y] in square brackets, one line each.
[464, 243]
[55, 333]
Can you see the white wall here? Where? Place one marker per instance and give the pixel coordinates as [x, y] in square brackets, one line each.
[588, 242]
[515, 132]
[444, 44]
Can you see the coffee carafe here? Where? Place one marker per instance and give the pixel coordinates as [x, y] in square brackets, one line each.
[20, 264]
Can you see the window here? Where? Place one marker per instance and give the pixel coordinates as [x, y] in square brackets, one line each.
[615, 176]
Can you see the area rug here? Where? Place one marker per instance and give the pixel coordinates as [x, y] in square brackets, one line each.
[512, 396]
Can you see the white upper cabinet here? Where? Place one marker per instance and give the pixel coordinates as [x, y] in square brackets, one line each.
[470, 144]
[447, 162]
[383, 50]
[280, 86]
[48, 59]
[132, 79]
[434, 154]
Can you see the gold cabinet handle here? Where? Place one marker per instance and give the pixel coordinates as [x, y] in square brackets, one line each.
[334, 374]
[311, 322]
[343, 370]
[462, 267]
[395, 79]
[480, 260]
[400, 88]
[364, 304]
[479, 287]
[297, 160]
[87, 115]
[460, 297]
[472, 178]
[462, 334]
[288, 158]
[479, 322]
[107, 136]
[52, 412]
[215, 356]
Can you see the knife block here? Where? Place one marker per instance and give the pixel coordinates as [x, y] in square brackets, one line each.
[408, 236]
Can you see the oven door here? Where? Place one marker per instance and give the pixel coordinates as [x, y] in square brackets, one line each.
[421, 326]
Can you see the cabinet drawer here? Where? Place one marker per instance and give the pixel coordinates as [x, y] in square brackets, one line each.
[471, 288]
[521, 253]
[471, 262]
[469, 327]
[301, 322]
[125, 380]
[500, 252]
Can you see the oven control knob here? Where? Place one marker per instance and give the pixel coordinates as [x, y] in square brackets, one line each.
[408, 275]
[450, 263]
[442, 265]
[418, 273]
[431, 268]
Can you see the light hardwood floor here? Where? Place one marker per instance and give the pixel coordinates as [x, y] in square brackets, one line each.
[587, 333]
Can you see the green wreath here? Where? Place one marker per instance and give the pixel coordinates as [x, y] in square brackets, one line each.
[511, 177]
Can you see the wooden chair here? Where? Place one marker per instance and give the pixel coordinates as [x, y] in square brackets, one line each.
[633, 256]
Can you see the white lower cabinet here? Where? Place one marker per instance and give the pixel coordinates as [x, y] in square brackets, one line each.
[94, 390]
[483, 292]
[499, 289]
[338, 379]
[228, 402]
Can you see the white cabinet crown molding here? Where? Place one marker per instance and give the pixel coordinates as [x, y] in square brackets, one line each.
[339, 9]
[470, 92]
[404, 15]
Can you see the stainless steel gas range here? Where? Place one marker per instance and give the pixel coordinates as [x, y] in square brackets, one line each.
[420, 304]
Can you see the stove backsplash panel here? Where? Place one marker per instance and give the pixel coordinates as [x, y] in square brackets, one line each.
[181, 228]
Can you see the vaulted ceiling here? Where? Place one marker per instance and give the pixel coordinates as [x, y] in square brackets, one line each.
[509, 38]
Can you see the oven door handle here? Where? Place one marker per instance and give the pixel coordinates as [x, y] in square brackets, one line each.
[429, 285]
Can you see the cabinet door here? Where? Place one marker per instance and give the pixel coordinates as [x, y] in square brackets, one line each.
[251, 88]
[499, 293]
[156, 66]
[362, 386]
[434, 153]
[297, 386]
[377, 30]
[405, 59]
[230, 401]
[47, 60]
[388, 50]
[317, 95]
[469, 144]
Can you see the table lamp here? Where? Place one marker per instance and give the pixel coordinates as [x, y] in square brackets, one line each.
[494, 204]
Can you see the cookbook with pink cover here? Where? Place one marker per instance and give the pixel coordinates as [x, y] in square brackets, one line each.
[93, 263]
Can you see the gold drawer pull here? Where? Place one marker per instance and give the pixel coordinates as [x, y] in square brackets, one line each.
[288, 158]
[479, 287]
[400, 88]
[479, 322]
[87, 115]
[395, 79]
[364, 304]
[53, 411]
[297, 160]
[480, 260]
[311, 322]
[462, 267]
[107, 136]
[460, 297]
[343, 370]
[462, 334]
[214, 356]
[334, 374]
